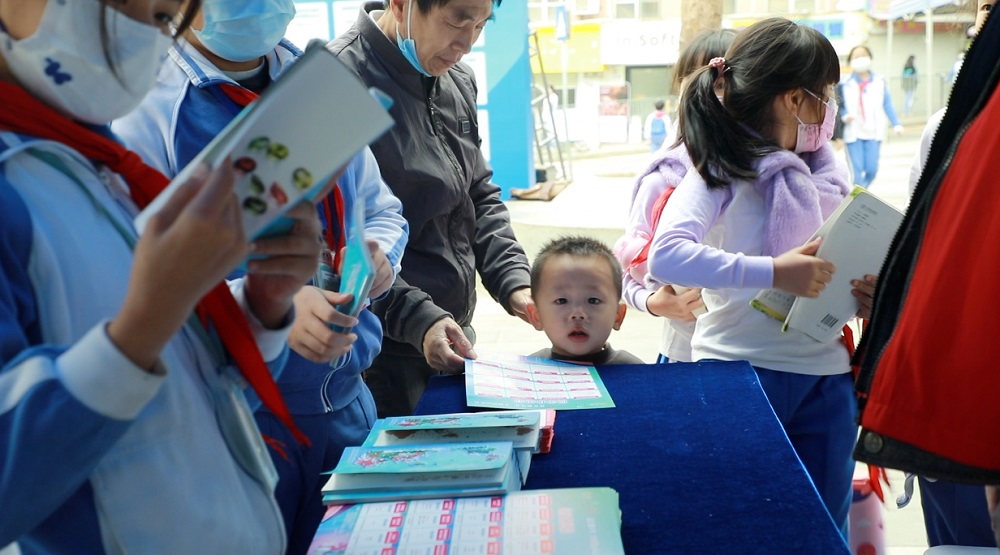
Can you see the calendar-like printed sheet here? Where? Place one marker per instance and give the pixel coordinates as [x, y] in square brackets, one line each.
[521, 382]
[569, 521]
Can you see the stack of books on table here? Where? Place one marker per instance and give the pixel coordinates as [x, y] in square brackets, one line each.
[566, 521]
[445, 455]
[548, 430]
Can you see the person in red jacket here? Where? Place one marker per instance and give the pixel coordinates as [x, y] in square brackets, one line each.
[928, 380]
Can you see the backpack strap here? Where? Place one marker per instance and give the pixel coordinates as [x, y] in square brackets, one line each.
[658, 206]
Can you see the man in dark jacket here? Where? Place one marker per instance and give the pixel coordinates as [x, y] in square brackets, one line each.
[431, 159]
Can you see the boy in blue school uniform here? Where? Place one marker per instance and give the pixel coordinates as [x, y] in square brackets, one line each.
[232, 52]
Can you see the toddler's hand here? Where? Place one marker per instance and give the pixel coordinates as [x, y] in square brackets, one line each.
[801, 273]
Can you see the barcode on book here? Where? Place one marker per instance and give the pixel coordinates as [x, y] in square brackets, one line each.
[829, 320]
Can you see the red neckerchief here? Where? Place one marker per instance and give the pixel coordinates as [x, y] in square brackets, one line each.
[861, 95]
[145, 182]
[334, 232]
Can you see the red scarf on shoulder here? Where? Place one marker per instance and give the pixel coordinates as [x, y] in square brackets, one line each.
[145, 182]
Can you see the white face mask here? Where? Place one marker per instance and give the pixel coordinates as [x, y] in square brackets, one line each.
[861, 64]
[63, 62]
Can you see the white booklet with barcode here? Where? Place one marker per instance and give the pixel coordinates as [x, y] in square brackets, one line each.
[856, 238]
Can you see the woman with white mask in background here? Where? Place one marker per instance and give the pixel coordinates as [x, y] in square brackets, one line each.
[866, 114]
[124, 425]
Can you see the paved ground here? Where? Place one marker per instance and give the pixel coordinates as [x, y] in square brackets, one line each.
[596, 203]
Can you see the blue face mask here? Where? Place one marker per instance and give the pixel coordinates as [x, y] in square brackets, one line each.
[244, 30]
[407, 46]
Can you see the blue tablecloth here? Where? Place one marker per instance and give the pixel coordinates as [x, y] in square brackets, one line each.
[695, 452]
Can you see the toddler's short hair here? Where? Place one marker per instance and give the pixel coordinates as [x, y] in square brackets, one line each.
[576, 245]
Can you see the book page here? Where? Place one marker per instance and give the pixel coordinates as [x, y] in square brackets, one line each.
[518, 382]
[286, 145]
[856, 243]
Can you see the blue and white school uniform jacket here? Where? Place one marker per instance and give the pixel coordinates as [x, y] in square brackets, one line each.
[181, 115]
[100, 456]
[876, 105]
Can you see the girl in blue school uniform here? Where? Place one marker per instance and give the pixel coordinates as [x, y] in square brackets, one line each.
[765, 180]
[124, 427]
[231, 53]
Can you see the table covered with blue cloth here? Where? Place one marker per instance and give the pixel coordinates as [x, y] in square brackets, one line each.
[696, 454]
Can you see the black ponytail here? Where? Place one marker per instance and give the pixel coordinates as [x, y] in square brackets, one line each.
[765, 60]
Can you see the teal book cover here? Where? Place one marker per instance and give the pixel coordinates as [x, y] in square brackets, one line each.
[423, 471]
[452, 457]
[357, 274]
[462, 420]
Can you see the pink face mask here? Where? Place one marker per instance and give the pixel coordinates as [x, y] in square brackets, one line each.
[811, 136]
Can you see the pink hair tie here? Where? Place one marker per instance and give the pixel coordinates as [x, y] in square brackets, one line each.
[717, 63]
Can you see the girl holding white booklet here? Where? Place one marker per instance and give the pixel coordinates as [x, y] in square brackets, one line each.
[765, 181]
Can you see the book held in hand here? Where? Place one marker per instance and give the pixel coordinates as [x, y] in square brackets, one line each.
[287, 144]
[356, 275]
[855, 238]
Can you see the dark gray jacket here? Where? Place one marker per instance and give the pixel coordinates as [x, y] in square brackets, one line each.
[432, 161]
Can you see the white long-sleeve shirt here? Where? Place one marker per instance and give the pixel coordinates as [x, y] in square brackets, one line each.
[713, 238]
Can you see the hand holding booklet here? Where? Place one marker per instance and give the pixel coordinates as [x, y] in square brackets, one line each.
[856, 238]
[357, 272]
[287, 144]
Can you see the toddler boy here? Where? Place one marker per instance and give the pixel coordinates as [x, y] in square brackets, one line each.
[576, 284]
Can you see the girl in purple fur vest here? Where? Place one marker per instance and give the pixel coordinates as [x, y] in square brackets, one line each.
[764, 181]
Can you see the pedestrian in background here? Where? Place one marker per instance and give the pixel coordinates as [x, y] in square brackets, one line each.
[909, 84]
[866, 113]
[657, 126]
